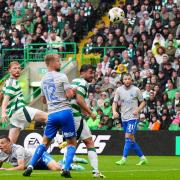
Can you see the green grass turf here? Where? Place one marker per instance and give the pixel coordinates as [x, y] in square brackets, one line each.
[159, 167]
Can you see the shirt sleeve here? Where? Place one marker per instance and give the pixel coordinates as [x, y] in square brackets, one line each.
[20, 152]
[42, 92]
[82, 90]
[3, 157]
[140, 95]
[117, 95]
[66, 83]
[9, 88]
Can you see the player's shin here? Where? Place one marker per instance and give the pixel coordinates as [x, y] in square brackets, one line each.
[69, 157]
[127, 147]
[37, 155]
[137, 149]
[92, 155]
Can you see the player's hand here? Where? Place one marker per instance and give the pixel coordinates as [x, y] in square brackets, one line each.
[74, 91]
[1, 169]
[93, 115]
[115, 115]
[135, 113]
[4, 117]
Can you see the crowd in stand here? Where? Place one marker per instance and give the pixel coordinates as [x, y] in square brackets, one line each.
[150, 40]
[25, 22]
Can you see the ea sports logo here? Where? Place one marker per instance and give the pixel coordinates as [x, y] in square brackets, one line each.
[31, 141]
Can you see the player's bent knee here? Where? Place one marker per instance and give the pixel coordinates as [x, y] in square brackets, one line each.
[54, 166]
[46, 141]
[41, 116]
[89, 143]
[130, 136]
[72, 142]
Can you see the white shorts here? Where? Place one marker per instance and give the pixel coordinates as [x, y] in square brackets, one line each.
[85, 133]
[19, 119]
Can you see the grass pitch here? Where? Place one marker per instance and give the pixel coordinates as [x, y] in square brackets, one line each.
[158, 168]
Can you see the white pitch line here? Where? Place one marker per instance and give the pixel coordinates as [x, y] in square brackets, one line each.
[79, 172]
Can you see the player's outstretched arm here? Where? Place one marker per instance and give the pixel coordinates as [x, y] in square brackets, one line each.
[81, 102]
[4, 106]
[21, 166]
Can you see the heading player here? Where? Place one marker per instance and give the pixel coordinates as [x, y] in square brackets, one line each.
[79, 107]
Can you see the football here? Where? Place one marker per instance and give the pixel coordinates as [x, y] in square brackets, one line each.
[116, 15]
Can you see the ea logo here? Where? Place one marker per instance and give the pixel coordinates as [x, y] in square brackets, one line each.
[31, 141]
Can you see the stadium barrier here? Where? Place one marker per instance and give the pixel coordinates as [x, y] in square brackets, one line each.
[159, 143]
[35, 52]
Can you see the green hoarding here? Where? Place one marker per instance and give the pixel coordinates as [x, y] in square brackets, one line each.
[177, 145]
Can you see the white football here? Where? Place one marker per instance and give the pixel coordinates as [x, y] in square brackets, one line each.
[116, 15]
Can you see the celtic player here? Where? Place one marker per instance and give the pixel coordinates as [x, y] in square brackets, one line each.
[14, 107]
[79, 106]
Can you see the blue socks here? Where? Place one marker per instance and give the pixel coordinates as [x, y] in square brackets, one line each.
[37, 155]
[137, 149]
[69, 157]
[131, 144]
[127, 147]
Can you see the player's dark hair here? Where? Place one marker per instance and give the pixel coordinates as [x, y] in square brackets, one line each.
[85, 67]
[5, 137]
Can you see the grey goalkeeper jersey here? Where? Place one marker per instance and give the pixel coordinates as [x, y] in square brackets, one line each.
[18, 153]
[128, 99]
[53, 87]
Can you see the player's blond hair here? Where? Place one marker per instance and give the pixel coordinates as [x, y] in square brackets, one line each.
[13, 63]
[50, 58]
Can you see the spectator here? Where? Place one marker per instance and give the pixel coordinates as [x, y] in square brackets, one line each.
[57, 42]
[146, 93]
[165, 122]
[105, 65]
[143, 122]
[170, 50]
[171, 91]
[126, 61]
[77, 28]
[93, 124]
[101, 100]
[65, 9]
[42, 4]
[175, 122]
[114, 78]
[107, 108]
[148, 21]
[155, 124]
[98, 45]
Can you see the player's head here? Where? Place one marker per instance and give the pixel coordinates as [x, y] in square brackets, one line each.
[14, 69]
[52, 62]
[5, 143]
[87, 72]
[127, 79]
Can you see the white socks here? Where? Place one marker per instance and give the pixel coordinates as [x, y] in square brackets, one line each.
[92, 155]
